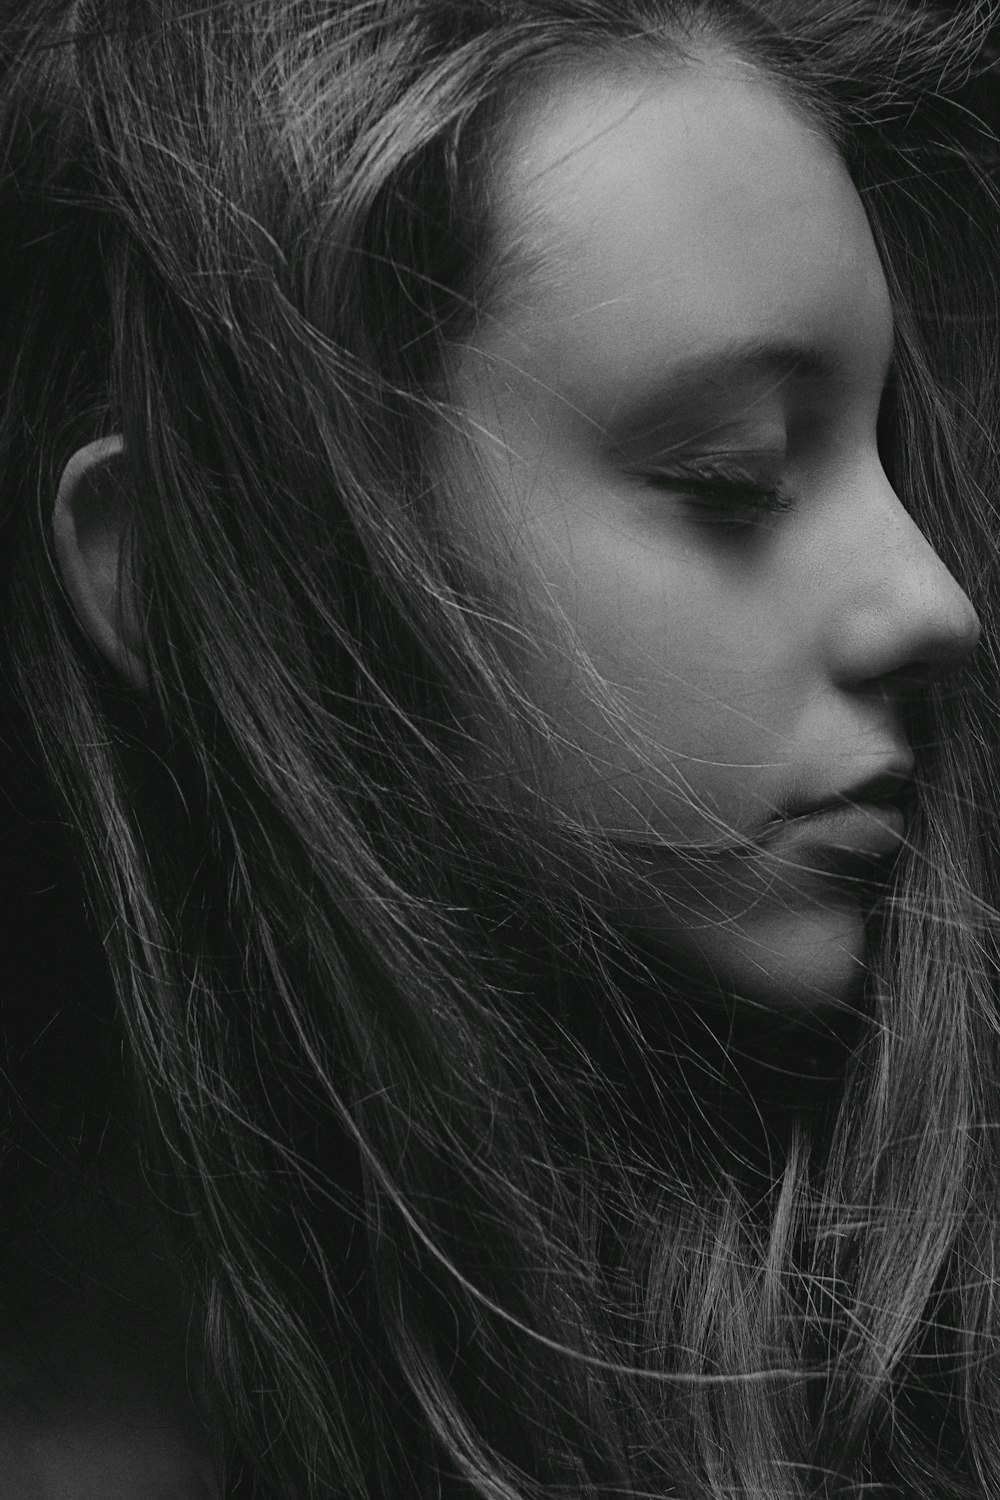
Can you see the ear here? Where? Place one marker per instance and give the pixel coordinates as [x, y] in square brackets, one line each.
[88, 525]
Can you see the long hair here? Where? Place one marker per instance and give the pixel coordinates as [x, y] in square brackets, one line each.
[449, 1222]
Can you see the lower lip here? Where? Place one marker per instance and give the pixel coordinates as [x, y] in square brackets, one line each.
[875, 830]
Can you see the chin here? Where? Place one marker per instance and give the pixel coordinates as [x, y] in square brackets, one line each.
[799, 961]
[805, 961]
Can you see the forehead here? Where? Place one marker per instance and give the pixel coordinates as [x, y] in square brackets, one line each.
[660, 214]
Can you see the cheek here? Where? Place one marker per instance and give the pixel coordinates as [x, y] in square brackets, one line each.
[702, 677]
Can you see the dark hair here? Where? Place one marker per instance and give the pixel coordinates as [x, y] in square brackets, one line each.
[436, 1190]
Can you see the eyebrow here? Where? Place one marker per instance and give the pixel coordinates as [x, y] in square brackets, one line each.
[784, 360]
[780, 359]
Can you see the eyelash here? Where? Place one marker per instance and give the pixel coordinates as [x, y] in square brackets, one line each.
[725, 497]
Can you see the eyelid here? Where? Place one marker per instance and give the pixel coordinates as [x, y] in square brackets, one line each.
[728, 469]
[763, 465]
[721, 490]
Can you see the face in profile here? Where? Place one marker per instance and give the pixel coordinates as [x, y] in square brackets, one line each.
[672, 418]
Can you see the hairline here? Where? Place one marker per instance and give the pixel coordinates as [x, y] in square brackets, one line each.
[517, 261]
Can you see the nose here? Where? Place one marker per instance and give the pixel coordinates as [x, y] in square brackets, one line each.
[903, 611]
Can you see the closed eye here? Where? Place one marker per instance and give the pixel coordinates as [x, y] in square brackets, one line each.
[720, 495]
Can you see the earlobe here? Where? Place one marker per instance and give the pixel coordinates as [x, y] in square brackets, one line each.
[88, 525]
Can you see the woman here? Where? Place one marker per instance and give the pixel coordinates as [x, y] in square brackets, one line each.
[500, 528]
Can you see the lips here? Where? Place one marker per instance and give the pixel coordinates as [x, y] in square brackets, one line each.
[890, 787]
[875, 828]
[855, 833]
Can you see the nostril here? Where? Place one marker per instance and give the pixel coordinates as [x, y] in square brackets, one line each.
[904, 684]
[911, 682]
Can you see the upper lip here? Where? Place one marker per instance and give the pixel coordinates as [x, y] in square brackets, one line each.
[892, 784]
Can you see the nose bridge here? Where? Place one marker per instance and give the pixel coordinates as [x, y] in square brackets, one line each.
[907, 610]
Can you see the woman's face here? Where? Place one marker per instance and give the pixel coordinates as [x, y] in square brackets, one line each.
[673, 413]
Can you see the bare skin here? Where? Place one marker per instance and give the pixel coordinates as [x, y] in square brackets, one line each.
[673, 416]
